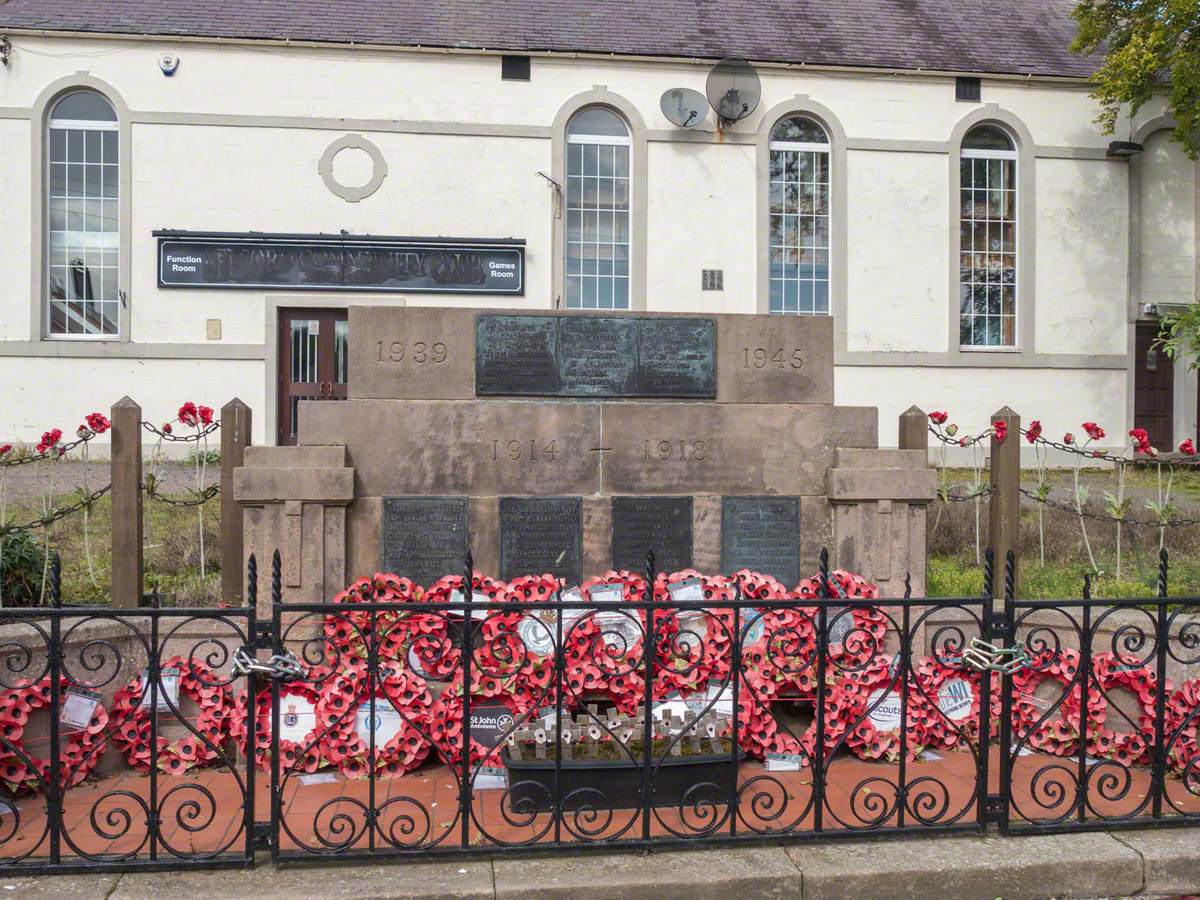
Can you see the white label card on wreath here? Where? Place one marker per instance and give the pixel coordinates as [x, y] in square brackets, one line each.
[687, 591]
[955, 699]
[490, 778]
[783, 762]
[297, 718]
[841, 623]
[477, 598]
[886, 715]
[78, 708]
[536, 632]
[719, 695]
[386, 723]
[618, 629]
[319, 778]
[607, 593]
[168, 689]
[752, 633]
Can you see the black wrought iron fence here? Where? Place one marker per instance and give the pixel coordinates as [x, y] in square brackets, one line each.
[639, 710]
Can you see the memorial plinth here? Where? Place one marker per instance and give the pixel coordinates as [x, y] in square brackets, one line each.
[575, 442]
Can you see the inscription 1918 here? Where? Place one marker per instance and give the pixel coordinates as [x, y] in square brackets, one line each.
[595, 356]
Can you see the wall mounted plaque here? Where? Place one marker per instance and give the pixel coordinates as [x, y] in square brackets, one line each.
[539, 535]
[661, 524]
[762, 534]
[331, 262]
[595, 356]
[423, 538]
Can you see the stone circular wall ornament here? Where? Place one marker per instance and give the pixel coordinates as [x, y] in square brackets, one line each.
[352, 193]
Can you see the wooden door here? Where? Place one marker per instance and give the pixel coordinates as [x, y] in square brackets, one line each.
[1153, 389]
[312, 362]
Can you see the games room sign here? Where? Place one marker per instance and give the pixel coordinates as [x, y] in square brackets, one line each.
[340, 263]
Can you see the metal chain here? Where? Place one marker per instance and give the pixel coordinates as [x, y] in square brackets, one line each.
[53, 453]
[1101, 517]
[182, 438]
[199, 498]
[984, 657]
[280, 667]
[58, 513]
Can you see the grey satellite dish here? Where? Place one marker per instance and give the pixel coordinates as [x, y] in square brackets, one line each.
[684, 107]
[733, 89]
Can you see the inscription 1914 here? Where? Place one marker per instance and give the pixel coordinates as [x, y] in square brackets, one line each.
[595, 356]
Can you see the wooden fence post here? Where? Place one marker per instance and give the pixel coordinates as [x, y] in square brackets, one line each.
[914, 430]
[1004, 507]
[127, 566]
[235, 438]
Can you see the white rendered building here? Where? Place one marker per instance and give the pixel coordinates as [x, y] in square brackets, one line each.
[193, 194]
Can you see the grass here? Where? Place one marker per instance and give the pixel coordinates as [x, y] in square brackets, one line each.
[171, 549]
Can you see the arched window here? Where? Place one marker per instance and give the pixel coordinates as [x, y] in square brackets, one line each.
[82, 223]
[598, 179]
[799, 224]
[987, 291]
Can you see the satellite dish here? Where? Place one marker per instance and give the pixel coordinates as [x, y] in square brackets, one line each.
[733, 89]
[684, 107]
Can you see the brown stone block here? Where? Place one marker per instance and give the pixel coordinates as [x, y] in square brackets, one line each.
[483, 524]
[255, 485]
[295, 457]
[706, 533]
[774, 359]
[880, 484]
[428, 353]
[486, 447]
[816, 532]
[673, 448]
[416, 353]
[364, 523]
[597, 535]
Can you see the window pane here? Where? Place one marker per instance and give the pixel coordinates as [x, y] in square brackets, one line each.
[799, 130]
[987, 137]
[85, 105]
[987, 237]
[798, 228]
[597, 226]
[597, 120]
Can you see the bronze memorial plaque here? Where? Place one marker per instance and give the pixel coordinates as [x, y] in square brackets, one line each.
[661, 524]
[540, 535]
[595, 356]
[762, 534]
[424, 538]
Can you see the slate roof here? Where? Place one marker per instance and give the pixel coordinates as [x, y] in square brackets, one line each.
[1027, 37]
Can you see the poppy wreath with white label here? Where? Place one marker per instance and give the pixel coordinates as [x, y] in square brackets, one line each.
[520, 645]
[1181, 722]
[952, 701]
[347, 633]
[446, 724]
[864, 638]
[301, 756]
[699, 648]
[1129, 743]
[609, 660]
[1059, 734]
[80, 751]
[397, 690]
[129, 721]
[433, 647]
[867, 697]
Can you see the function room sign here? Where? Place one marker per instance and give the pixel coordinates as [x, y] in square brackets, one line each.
[331, 262]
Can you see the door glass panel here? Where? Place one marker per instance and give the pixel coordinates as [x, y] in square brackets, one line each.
[341, 331]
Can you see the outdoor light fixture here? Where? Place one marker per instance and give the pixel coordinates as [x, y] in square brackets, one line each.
[1123, 149]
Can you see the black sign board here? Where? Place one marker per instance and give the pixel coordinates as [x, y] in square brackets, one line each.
[595, 356]
[540, 535]
[661, 524]
[340, 263]
[423, 538]
[490, 723]
[762, 534]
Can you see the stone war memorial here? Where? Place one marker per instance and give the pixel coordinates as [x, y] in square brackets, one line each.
[573, 444]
